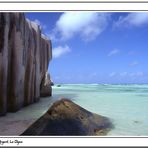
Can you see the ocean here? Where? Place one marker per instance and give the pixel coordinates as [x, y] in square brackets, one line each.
[125, 105]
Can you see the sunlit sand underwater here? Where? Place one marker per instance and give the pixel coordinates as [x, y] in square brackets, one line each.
[125, 105]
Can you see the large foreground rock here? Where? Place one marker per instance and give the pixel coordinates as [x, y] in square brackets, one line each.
[24, 57]
[67, 118]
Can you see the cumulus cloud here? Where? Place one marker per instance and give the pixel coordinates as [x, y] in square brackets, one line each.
[60, 50]
[113, 52]
[93, 74]
[87, 25]
[127, 74]
[136, 19]
[137, 74]
[112, 74]
[140, 74]
[123, 74]
[135, 63]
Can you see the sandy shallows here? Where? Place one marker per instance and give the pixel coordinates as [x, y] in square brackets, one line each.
[15, 123]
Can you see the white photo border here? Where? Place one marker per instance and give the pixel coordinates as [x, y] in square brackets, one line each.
[62, 6]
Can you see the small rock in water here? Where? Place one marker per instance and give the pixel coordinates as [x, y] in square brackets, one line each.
[59, 85]
[136, 121]
[52, 84]
[67, 118]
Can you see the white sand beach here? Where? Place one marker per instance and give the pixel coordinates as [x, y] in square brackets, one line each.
[13, 124]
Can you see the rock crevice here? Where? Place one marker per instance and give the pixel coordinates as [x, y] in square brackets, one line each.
[24, 57]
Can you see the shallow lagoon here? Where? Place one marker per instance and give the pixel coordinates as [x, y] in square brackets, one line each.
[125, 105]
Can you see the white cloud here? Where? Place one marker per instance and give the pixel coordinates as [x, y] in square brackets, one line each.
[127, 74]
[87, 25]
[132, 19]
[93, 74]
[59, 51]
[112, 74]
[123, 74]
[135, 63]
[140, 74]
[137, 74]
[113, 52]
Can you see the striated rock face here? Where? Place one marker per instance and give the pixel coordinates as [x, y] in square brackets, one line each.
[67, 118]
[24, 58]
[46, 86]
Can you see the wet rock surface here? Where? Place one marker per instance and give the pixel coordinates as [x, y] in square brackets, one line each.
[67, 118]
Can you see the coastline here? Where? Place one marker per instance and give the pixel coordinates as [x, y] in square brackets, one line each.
[103, 100]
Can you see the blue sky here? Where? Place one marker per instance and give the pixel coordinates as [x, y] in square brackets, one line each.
[95, 47]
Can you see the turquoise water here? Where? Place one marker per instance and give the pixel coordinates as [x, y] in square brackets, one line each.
[125, 105]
